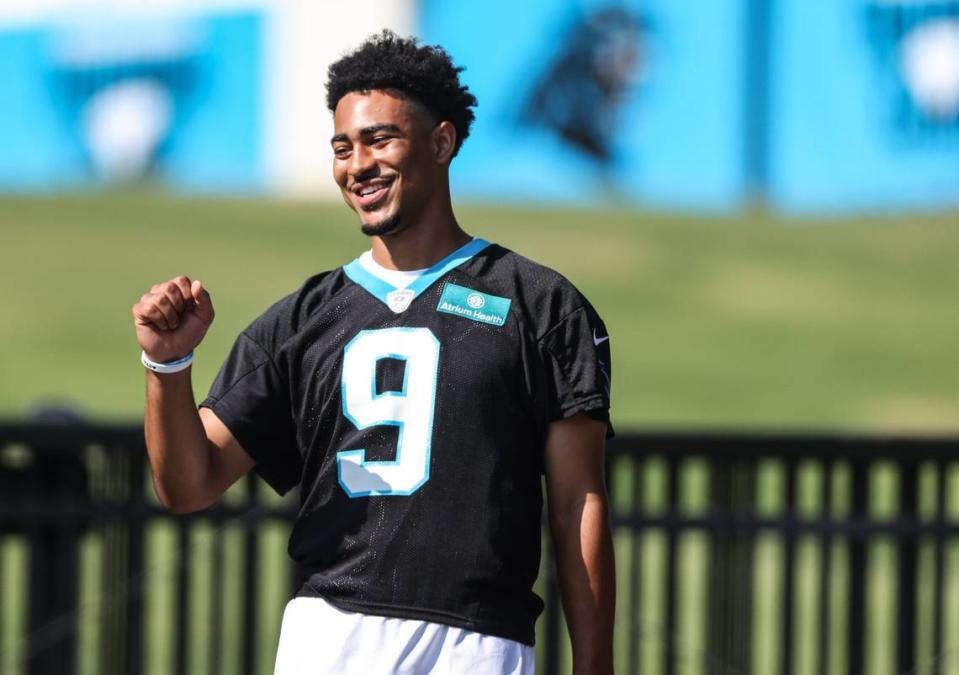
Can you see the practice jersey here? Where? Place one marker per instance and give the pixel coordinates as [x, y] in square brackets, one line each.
[413, 421]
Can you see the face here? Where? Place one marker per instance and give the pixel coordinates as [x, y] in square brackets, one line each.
[385, 159]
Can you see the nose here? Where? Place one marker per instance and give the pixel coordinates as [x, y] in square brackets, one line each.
[361, 161]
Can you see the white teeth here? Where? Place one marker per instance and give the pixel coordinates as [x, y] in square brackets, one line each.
[370, 190]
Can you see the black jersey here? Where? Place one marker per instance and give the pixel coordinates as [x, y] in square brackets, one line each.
[414, 422]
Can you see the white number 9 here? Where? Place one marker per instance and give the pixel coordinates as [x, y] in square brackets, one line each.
[411, 410]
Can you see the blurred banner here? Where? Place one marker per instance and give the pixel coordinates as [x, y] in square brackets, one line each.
[93, 99]
[811, 106]
[600, 103]
[864, 104]
[808, 106]
[201, 95]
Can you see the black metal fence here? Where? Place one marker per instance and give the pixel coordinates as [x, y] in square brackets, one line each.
[735, 554]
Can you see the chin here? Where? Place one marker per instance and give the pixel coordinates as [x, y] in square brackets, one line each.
[384, 227]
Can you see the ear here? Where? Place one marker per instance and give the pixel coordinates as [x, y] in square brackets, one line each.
[443, 142]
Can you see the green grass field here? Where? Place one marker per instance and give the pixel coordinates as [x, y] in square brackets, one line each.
[746, 321]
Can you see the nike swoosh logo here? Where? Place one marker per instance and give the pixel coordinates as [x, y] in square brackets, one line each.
[597, 341]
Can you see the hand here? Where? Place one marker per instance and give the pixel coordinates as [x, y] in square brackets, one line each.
[172, 318]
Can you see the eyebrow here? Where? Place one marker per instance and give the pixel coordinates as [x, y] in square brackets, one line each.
[368, 131]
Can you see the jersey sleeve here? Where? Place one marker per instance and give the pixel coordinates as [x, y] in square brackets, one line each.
[251, 397]
[579, 367]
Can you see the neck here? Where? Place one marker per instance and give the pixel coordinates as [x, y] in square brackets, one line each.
[421, 244]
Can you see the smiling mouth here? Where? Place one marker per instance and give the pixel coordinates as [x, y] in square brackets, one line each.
[370, 194]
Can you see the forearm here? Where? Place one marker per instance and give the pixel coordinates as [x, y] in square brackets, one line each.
[176, 442]
[584, 558]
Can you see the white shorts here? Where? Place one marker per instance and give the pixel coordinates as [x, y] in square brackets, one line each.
[318, 639]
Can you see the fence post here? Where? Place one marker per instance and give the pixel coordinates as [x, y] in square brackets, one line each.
[787, 645]
[732, 496]
[56, 470]
[250, 578]
[908, 554]
[859, 513]
[552, 619]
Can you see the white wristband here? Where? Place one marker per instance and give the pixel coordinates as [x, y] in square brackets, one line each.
[169, 366]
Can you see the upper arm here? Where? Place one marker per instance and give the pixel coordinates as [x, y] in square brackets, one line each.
[575, 463]
[228, 460]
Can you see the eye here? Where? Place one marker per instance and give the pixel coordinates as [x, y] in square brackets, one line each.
[341, 151]
[380, 140]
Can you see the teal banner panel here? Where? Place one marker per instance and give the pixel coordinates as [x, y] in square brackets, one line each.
[638, 102]
[864, 105]
[93, 100]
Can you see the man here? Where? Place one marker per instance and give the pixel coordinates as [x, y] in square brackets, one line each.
[416, 396]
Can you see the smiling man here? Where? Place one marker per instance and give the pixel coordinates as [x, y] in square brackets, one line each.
[416, 396]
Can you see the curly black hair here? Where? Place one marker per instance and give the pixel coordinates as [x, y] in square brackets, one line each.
[425, 74]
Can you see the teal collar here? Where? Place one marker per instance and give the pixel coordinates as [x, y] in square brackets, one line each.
[379, 289]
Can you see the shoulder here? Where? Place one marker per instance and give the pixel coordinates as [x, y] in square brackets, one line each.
[291, 313]
[541, 297]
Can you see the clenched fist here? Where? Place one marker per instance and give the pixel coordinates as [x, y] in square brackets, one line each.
[172, 318]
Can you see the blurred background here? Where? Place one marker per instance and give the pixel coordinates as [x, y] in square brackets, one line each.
[761, 197]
